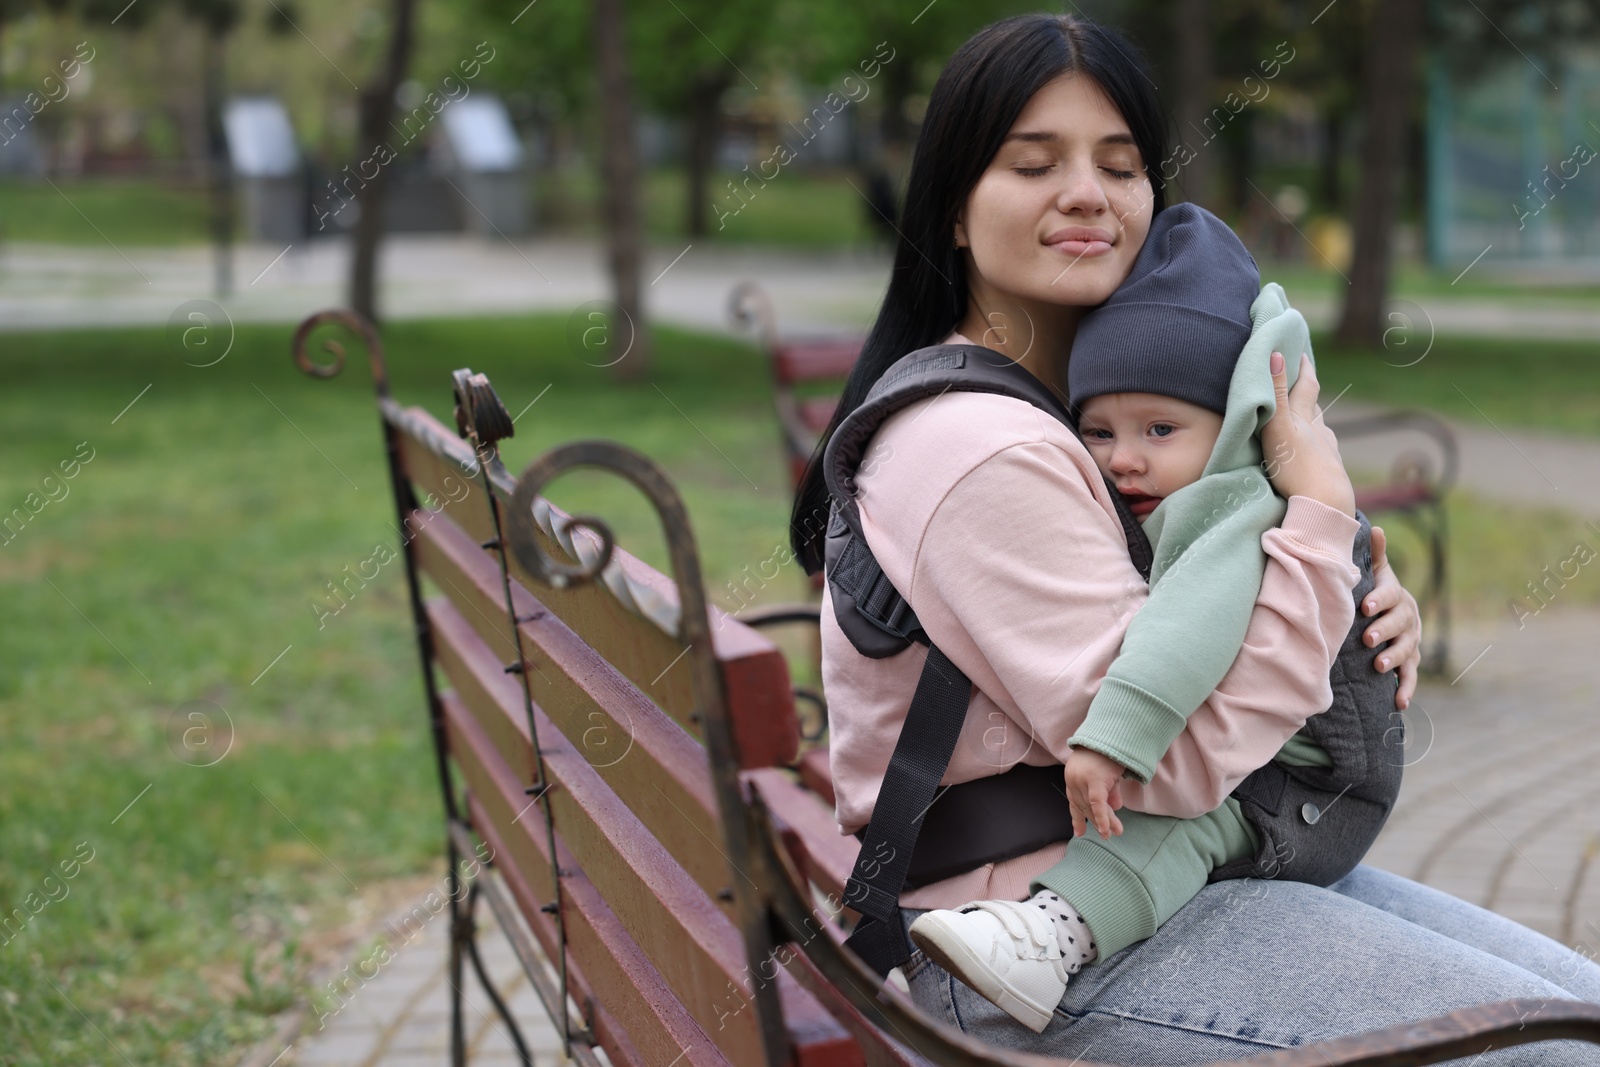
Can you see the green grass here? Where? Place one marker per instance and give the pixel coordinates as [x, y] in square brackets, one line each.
[1544, 385]
[182, 560]
[1416, 281]
[796, 208]
[186, 555]
[1495, 551]
[134, 212]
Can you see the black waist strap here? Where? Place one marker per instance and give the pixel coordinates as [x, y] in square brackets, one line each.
[989, 820]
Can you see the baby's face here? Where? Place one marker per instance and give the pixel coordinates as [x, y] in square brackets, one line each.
[1149, 446]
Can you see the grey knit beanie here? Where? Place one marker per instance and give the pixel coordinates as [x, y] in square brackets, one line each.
[1177, 325]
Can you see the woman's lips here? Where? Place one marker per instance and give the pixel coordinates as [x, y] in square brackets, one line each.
[1080, 241]
[1079, 249]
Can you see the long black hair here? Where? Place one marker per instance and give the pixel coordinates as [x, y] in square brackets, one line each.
[975, 102]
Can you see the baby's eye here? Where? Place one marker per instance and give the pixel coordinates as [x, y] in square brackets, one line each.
[1097, 435]
[1161, 429]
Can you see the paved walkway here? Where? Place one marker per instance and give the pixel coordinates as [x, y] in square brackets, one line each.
[1521, 467]
[430, 275]
[1501, 806]
[401, 1016]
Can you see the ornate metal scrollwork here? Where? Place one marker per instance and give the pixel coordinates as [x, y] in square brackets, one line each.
[357, 324]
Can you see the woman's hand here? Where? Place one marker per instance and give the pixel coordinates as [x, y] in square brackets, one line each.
[1300, 454]
[1093, 792]
[1398, 622]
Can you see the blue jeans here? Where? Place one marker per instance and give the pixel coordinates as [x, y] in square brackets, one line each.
[1250, 966]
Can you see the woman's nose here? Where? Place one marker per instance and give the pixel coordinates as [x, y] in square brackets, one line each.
[1081, 191]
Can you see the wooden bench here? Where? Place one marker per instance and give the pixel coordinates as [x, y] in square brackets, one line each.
[614, 760]
[809, 372]
[1421, 474]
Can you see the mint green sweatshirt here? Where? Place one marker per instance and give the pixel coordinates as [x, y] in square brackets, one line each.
[1207, 570]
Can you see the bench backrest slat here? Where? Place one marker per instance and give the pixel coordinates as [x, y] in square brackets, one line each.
[675, 926]
[765, 728]
[671, 799]
[621, 979]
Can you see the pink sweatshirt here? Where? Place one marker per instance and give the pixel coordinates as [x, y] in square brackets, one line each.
[991, 518]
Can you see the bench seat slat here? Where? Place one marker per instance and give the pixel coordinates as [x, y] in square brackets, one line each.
[622, 979]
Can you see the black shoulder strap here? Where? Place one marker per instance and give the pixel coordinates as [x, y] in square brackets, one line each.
[879, 622]
[921, 755]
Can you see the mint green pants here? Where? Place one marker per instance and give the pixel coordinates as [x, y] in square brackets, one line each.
[1125, 887]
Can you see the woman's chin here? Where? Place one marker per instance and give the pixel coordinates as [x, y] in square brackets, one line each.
[1085, 283]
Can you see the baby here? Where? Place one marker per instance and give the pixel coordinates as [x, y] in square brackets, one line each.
[1171, 384]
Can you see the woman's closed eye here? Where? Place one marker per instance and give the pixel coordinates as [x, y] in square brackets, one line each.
[1045, 168]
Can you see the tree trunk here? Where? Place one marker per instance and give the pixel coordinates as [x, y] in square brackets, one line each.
[630, 359]
[896, 129]
[1240, 145]
[1328, 166]
[705, 122]
[219, 167]
[377, 111]
[1393, 38]
[1194, 165]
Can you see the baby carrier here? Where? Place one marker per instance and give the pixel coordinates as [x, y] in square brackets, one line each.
[1315, 823]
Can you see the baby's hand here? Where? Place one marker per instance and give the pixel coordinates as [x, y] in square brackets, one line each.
[1093, 791]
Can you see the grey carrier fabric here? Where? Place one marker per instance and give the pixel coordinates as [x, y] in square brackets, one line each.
[1316, 823]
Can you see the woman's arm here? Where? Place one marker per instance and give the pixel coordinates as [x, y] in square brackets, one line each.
[1022, 578]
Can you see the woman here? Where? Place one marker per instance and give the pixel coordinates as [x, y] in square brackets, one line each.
[1032, 189]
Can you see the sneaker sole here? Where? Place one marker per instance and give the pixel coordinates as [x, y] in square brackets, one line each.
[948, 950]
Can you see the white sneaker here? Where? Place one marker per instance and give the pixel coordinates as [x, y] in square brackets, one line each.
[1003, 949]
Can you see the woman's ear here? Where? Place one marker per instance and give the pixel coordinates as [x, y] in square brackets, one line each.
[961, 235]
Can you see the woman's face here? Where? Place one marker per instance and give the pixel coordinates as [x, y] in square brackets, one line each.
[1063, 207]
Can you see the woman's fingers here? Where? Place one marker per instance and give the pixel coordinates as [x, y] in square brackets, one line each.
[1380, 550]
[1395, 619]
[1408, 682]
[1304, 394]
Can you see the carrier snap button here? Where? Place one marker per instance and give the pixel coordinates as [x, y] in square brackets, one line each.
[1310, 812]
